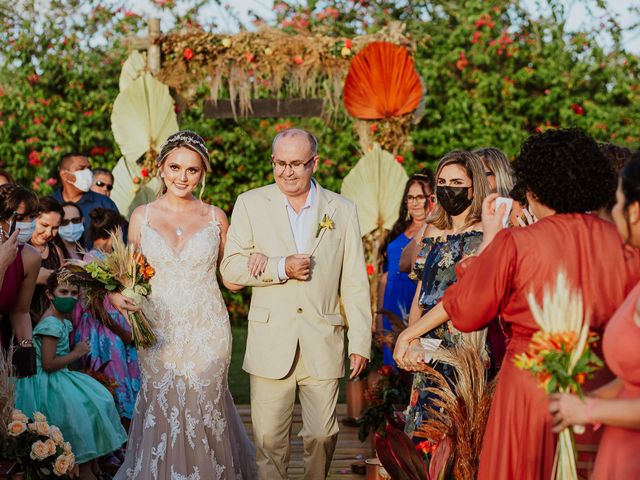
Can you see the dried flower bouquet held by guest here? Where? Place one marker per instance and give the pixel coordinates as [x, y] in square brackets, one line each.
[125, 270]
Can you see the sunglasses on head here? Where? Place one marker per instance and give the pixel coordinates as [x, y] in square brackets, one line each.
[100, 183]
[67, 221]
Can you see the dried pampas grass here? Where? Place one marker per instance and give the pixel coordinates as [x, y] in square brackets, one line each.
[460, 412]
[7, 391]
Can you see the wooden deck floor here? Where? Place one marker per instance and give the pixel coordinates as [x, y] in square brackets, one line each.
[348, 451]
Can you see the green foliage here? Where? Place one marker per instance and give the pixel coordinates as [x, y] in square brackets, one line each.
[493, 76]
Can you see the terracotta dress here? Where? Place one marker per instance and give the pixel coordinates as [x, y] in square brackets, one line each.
[619, 448]
[518, 441]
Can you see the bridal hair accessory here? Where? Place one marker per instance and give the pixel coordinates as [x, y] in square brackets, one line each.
[185, 138]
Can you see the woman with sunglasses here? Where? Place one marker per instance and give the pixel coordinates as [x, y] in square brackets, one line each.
[102, 181]
[71, 232]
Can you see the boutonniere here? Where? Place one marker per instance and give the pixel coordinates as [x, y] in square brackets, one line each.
[327, 223]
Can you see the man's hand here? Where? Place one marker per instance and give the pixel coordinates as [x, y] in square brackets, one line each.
[257, 264]
[357, 364]
[298, 266]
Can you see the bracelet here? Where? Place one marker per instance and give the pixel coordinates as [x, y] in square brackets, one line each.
[590, 403]
[25, 342]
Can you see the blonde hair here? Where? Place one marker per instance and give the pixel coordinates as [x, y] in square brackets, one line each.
[475, 171]
[499, 164]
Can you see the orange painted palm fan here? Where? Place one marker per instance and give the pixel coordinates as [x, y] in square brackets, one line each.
[382, 83]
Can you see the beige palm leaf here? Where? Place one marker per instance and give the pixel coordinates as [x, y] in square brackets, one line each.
[143, 117]
[376, 184]
[132, 69]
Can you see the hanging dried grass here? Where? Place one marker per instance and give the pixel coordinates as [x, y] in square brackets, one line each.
[7, 391]
[268, 62]
[459, 412]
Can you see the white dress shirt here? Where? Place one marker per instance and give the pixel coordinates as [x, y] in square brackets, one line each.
[302, 224]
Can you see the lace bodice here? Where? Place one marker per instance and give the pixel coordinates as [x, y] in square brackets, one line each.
[185, 425]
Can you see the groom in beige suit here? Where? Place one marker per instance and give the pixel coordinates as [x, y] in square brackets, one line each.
[299, 247]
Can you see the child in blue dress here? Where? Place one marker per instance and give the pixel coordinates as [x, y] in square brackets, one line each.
[80, 406]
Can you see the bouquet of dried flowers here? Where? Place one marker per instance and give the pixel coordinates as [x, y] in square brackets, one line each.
[39, 448]
[561, 359]
[124, 270]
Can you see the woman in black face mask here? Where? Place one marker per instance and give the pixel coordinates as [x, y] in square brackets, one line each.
[453, 232]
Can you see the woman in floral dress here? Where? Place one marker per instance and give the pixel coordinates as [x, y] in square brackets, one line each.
[453, 232]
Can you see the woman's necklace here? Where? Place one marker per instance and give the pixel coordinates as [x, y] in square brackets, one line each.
[179, 231]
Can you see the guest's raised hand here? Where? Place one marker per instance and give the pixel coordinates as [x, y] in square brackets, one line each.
[257, 264]
[492, 217]
[298, 266]
[9, 250]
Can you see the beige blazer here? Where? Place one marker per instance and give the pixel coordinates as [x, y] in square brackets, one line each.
[283, 314]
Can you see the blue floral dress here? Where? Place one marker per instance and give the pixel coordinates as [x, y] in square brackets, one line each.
[76, 403]
[435, 266]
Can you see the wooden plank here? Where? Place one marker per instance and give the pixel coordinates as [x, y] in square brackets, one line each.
[266, 108]
[349, 450]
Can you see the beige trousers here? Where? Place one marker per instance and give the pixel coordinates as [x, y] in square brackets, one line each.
[272, 403]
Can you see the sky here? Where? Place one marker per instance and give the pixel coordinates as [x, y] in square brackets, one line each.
[578, 14]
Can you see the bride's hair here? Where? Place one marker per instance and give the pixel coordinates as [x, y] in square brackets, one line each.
[184, 139]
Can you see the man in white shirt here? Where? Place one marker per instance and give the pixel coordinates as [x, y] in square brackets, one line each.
[299, 246]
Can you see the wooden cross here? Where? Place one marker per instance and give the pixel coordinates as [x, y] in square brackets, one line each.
[260, 108]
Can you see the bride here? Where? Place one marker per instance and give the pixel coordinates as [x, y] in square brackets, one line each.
[185, 425]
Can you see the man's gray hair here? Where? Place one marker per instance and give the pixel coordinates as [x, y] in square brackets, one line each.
[294, 132]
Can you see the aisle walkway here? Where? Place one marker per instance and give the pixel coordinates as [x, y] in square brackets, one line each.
[349, 449]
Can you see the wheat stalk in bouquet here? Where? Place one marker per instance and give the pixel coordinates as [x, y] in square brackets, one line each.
[7, 391]
[124, 270]
[459, 412]
[560, 357]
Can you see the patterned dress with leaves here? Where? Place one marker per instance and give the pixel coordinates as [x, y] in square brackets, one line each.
[435, 266]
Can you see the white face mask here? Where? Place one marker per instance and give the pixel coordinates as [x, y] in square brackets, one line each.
[26, 231]
[72, 232]
[84, 179]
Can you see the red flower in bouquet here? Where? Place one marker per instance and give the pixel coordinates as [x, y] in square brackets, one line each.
[188, 54]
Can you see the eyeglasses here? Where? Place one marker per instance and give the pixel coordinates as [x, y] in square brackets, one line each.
[298, 167]
[415, 198]
[67, 221]
[100, 183]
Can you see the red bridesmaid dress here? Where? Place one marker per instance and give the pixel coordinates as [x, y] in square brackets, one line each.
[518, 442]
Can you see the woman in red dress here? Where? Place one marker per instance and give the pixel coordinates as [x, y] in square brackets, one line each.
[616, 405]
[564, 175]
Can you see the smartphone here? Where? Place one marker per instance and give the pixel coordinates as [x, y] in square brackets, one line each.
[12, 227]
[508, 202]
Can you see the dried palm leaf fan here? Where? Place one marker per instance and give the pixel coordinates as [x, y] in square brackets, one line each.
[382, 85]
[143, 117]
[375, 185]
[133, 68]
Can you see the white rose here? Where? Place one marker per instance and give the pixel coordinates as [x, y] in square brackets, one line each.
[61, 465]
[16, 428]
[39, 451]
[39, 417]
[56, 435]
[18, 416]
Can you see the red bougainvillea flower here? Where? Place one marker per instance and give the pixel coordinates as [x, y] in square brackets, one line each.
[462, 62]
[370, 269]
[485, 19]
[399, 159]
[298, 60]
[577, 109]
[38, 120]
[51, 181]
[44, 102]
[97, 151]
[188, 54]
[34, 159]
[476, 37]
[32, 140]
[88, 113]
[144, 172]
[33, 78]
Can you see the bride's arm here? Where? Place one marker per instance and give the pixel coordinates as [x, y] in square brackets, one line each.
[224, 227]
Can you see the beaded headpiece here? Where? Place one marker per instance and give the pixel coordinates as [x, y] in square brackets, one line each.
[185, 138]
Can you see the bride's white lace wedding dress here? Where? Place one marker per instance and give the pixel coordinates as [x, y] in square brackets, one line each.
[185, 425]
